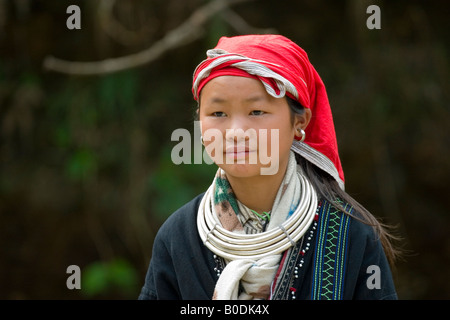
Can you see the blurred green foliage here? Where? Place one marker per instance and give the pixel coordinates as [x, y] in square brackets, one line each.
[174, 185]
[103, 278]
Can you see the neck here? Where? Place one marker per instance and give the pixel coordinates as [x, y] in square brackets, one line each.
[259, 192]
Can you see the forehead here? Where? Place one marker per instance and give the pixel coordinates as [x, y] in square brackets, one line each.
[233, 87]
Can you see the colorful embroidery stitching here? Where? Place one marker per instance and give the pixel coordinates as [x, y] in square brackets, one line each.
[330, 254]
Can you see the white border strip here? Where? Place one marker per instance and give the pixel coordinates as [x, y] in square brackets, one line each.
[318, 159]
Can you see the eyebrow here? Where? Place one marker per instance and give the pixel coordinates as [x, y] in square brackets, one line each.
[255, 98]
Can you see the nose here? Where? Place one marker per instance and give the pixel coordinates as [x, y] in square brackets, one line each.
[240, 131]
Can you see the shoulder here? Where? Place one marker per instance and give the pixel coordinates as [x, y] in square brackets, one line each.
[364, 253]
[175, 244]
[350, 222]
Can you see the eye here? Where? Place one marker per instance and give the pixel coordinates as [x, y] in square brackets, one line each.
[257, 113]
[219, 114]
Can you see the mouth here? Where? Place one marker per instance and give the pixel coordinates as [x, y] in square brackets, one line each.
[238, 152]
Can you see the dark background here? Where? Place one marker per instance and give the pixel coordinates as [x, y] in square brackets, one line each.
[86, 176]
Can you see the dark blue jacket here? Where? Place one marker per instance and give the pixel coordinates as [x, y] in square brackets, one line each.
[351, 259]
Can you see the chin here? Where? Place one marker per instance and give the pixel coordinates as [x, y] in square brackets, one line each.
[241, 170]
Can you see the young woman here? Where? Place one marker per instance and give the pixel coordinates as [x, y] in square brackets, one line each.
[278, 229]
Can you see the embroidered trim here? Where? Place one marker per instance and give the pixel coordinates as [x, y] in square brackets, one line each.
[330, 254]
[292, 261]
[219, 265]
[284, 277]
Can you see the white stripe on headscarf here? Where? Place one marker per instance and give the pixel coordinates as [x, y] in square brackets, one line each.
[251, 66]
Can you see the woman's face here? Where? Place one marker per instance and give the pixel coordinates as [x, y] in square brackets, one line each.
[252, 131]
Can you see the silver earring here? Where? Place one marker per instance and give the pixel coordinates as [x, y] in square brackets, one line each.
[303, 133]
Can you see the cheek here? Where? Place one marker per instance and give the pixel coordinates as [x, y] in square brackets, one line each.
[210, 131]
[212, 139]
[281, 135]
[205, 124]
[287, 135]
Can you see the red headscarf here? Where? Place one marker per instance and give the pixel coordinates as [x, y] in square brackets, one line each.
[286, 59]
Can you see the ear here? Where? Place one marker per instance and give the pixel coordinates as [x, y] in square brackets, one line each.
[302, 120]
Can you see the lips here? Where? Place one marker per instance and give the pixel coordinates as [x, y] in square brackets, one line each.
[238, 151]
